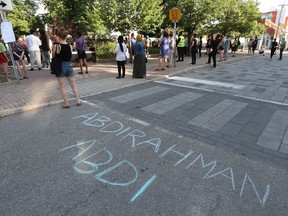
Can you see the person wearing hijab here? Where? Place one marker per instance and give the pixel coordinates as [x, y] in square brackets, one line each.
[139, 67]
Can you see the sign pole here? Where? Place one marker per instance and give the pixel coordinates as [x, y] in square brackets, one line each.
[174, 16]
[174, 53]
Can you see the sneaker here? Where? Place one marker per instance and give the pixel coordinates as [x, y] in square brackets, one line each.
[32, 69]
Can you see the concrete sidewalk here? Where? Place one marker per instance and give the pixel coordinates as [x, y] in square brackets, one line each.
[41, 89]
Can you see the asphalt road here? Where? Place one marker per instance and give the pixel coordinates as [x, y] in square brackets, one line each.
[93, 160]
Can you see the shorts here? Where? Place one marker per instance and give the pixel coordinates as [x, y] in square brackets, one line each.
[81, 54]
[3, 59]
[16, 58]
[67, 70]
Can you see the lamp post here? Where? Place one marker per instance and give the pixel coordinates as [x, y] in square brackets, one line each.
[279, 18]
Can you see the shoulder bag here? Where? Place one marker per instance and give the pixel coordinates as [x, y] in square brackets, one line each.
[56, 63]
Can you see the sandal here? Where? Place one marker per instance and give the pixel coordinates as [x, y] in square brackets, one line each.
[163, 69]
[66, 107]
[25, 77]
[157, 69]
[79, 104]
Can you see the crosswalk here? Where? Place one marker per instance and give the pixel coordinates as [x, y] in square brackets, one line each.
[214, 117]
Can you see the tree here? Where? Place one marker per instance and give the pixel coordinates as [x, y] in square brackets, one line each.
[194, 13]
[74, 15]
[234, 17]
[23, 16]
[140, 15]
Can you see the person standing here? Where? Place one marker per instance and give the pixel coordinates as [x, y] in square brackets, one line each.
[234, 46]
[226, 48]
[199, 46]
[81, 47]
[164, 51]
[208, 45]
[34, 44]
[26, 52]
[120, 52]
[254, 45]
[214, 46]
[45, 48]
[193, 49]
[139, 67]
[273, 48]
[64, 51]
[133, 42]
[250, 43]
[221, 48]
[18, 55]
[180, 47]
[282, 47]
[4, 61]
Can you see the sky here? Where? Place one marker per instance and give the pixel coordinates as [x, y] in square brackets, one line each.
[268, 5]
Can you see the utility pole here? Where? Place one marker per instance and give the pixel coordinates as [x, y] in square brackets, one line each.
[279, 18]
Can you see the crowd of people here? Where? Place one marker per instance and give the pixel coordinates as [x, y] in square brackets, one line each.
[39, 48]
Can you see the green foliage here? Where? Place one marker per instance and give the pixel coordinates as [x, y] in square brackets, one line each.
[75, 15]
[140, 15]
[106, 49]
[23, 16]
[100, 17]
[153, 50]
[235, 17]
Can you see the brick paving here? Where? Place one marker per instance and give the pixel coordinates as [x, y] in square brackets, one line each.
[41, 89]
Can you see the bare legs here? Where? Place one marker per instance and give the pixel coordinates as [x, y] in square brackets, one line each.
[83, 62]
[4, 68]
[221, 55]
[71, 80]
[160, 67]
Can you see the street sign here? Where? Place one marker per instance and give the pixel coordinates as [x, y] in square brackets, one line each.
[174, 14]
[7, 32]
[6, 5]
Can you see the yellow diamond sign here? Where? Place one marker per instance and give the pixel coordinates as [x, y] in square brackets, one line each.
[174, 14]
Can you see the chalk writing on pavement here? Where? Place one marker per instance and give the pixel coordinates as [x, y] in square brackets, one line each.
[89, 160]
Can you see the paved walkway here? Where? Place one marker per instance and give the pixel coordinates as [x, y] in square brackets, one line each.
[41, 89]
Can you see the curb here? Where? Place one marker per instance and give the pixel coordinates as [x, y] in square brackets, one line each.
[17, 110]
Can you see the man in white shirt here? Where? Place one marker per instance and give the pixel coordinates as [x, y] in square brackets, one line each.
[33, 44]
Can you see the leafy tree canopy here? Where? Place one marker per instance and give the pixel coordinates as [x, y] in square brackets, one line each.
[140, 15]
[23, 16]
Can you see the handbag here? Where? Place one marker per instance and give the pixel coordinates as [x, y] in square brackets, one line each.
[56, 63]
[221, 47]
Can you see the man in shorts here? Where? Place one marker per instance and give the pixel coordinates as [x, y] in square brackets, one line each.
[80, 47]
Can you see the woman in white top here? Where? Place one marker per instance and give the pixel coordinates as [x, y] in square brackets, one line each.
[120, 51]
